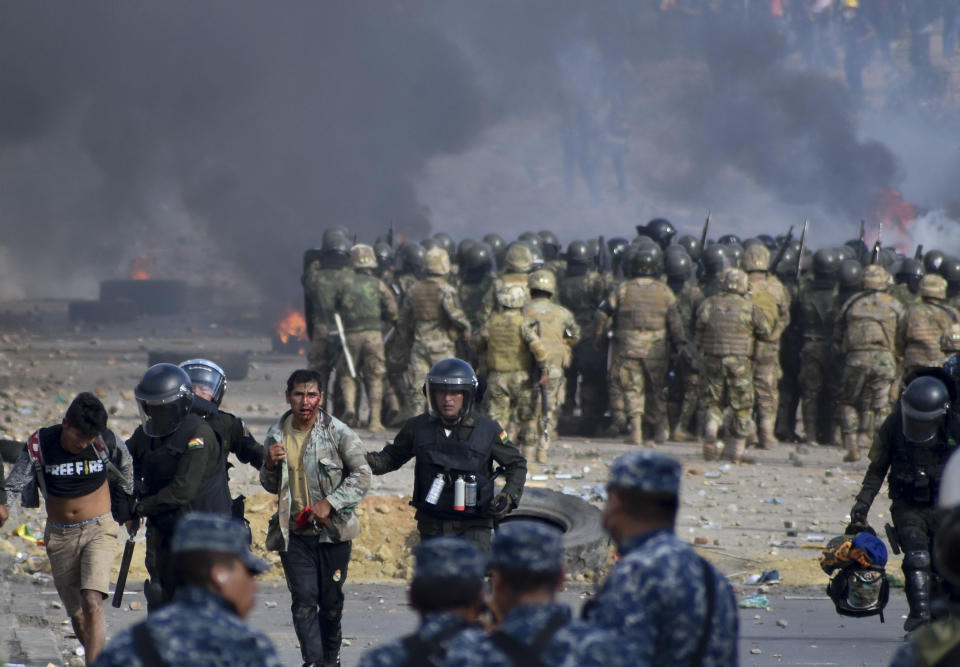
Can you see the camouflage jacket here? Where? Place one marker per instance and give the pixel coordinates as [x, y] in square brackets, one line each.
[654, 599]
[815, 312]
[919, 336]
[471, 298]
[198, 628]
[870, 320]
[335, 469]
[646, 319]
[452, 316]
[689, 298]
[365, 302]
[558, 330]
[323, 292]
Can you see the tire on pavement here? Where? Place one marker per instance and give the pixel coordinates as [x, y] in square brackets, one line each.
[586, 547]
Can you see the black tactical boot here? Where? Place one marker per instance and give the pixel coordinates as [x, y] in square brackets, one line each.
[916, 585]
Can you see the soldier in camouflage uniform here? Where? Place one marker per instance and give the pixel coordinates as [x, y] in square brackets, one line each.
[679, 265]
[432, 319]
[727, 328]
[768, 293]
[517, 265]
[476, 279]
[816, 312]
[396, 347]
[647, 327]
[533, 629]
[655, 597]
[551, 254]
[204, 623]
[866, 331]
[447, 593]
[559, 332]
[364, 303]
[714, 262]
[791, 343]
[581, 290]
[321, 285]
[512, 349]
[924, 325]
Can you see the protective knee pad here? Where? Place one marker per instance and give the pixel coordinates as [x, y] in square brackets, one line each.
[916, 560]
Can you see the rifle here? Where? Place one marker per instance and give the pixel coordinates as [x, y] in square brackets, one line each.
[918, 255]
[877, 247]
[390, 236]
[803, 241]
[124, 568]
[343, 343]
[782, 250]
[863, 243]
[703, 235]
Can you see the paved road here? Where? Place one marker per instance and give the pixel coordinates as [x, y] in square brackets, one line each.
[35, 633]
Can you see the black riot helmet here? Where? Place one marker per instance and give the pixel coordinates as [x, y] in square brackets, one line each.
[714, 260]
[910, 272]
[430, 243]
[845, 252]
[768, 241]
[933, 260]
[660, 230]
[860, 249]
[924, 404]
[691, 244]
[729, 239]
[477, 260]
[453, 374]
[335, 233]
[851, 275]
[646, 261]
[336, 250]
[616, 246]
[462, 248]
[549, 244]
[446, 242]
[735, 253]
[825, 264]
[579, 253]
[497, 246]
[950, 270]
[164, 397]
[677, 264]
[413, 256]
[384, 254]
[532, 239]
[205, 372]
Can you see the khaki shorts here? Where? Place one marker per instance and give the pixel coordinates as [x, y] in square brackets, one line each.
[81, 557]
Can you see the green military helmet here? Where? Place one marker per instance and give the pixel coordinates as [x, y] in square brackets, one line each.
[412, 256]
[447, 243]
[543, 281]
[735, 253]
[660, 230]
[643, 241]
[549, 244]
[578, 253]
[851, 274]
[825, 263]
[362, 256]
[677, 264]
[646, 261]
[714, 259]
[875, 277]
[692, 245]
[512, 295]
[330, 234]
[735, 281]
[430, 242]
[532, 239]
[933, 287]
[519, 258]
[756, 257]
[753, 240]
[437, 262]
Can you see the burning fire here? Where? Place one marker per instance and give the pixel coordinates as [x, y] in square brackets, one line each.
[896, 215]
[140, 267]
[291, 325]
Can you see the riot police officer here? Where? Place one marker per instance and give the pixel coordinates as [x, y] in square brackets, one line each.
[913, 444]
[455, 448]
[178, 466]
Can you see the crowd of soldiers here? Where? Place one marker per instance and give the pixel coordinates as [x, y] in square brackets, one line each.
[724, 342]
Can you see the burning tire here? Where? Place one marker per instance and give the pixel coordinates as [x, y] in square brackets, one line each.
[585, 546]
[102, 312]
[235, 365]
[152, 297]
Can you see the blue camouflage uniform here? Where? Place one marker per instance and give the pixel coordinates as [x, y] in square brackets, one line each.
[199, 628]
[440, 558]
[528, 546]
[655, 597]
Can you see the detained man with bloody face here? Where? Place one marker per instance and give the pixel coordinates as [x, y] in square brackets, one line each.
[315, 464]
[455, 449]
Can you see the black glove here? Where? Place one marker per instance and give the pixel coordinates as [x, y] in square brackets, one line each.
[859, 512]
[501, 505]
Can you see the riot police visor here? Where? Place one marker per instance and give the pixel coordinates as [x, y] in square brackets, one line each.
[160, 419]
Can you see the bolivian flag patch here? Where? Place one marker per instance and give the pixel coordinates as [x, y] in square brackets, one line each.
[503, 436]
[196, 443]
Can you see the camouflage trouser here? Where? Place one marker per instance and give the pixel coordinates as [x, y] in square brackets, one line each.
[556, 387]
[366, 347]
[423, 355]
[815, 395]
[726, 382]
[510, 399]
[397, 357]
[766, 378]
[865, 391]
[318, 358]
[643, 382]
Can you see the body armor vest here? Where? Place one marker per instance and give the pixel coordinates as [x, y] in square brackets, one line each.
[915, 470]
[871, 323]
[729, 329]
[436, 454]
[579, 294]
[643, 305]
[506, 349]
[425, 298]
[815, 313]
[549, 318]
[924, 326]
[360, 302]
[159, 467]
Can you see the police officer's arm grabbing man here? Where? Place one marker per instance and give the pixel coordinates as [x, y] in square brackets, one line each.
[450, 443]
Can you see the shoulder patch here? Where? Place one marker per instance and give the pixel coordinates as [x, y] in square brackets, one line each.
[503, 436]
[196, 443]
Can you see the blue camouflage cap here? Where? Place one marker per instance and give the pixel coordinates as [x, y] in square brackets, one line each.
[448, 557]
[647, 471]
[530, 546]
[205, 531]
